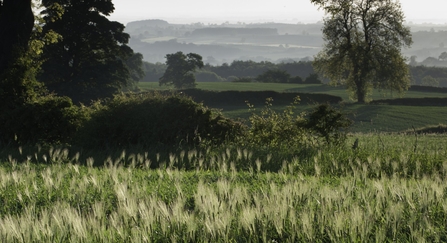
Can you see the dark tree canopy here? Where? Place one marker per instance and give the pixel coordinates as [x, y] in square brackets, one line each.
[17, 83]
[180, 70]
[363, 45]
[16, 25]
[92, 60]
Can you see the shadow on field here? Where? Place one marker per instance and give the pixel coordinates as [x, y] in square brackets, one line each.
[317, 88]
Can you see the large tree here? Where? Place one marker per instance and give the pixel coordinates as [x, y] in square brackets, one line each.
[16, 25]
[180, 70]
[93, 59]
[17, 66]
[363, 42]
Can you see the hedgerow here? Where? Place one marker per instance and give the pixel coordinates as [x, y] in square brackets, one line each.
[152, 119]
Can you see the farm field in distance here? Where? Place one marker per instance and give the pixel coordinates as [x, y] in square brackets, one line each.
[368, 118]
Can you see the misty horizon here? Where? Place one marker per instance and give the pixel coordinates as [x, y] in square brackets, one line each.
[250, 11]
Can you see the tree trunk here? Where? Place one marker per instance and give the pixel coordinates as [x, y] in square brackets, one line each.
[16, 25]
[360, 95]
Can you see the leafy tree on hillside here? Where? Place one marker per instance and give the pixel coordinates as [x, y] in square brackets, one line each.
[312, 79]
[443, 56]
[363, 45]
[93, 59]
[180, 70]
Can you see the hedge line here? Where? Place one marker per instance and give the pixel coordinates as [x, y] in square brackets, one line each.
[412, 102]
[211, 98]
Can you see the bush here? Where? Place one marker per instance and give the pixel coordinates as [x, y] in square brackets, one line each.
[313, 79]
[274, 130]
[296, 80]
[152, 119]
[48, 119]
[206, 76]
[329, 123]
[242, 80]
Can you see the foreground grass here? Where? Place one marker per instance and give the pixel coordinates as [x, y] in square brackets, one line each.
[392, 188]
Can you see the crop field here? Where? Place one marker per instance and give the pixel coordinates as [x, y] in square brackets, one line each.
[392, 189]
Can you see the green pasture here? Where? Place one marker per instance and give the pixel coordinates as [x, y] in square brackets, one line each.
[298, 88]
[367, 118]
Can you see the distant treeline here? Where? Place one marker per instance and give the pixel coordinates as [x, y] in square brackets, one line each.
[234, 31]
[303, 69]
[237, 69]
[419, 75]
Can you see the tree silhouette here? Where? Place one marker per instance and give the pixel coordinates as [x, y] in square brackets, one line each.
[180, 70]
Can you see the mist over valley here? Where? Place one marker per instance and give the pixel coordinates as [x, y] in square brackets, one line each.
[269, 41]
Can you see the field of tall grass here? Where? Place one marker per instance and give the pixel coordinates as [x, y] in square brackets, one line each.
[390, 188]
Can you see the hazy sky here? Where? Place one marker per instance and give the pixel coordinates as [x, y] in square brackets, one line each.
[291, 11]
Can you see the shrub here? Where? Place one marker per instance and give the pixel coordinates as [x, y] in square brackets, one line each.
[207, 76]
[313, 79]
[296, 80]
[242, 80]
[152, 119]
[47, 119]
[277, 130]
[329, 123]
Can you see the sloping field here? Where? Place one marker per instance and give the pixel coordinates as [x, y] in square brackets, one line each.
[368, 118]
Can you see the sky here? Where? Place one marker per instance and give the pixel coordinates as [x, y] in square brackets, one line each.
[281, 11]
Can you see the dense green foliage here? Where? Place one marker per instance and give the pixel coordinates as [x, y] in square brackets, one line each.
[45, 120]
[363, 41]
[155, 120]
